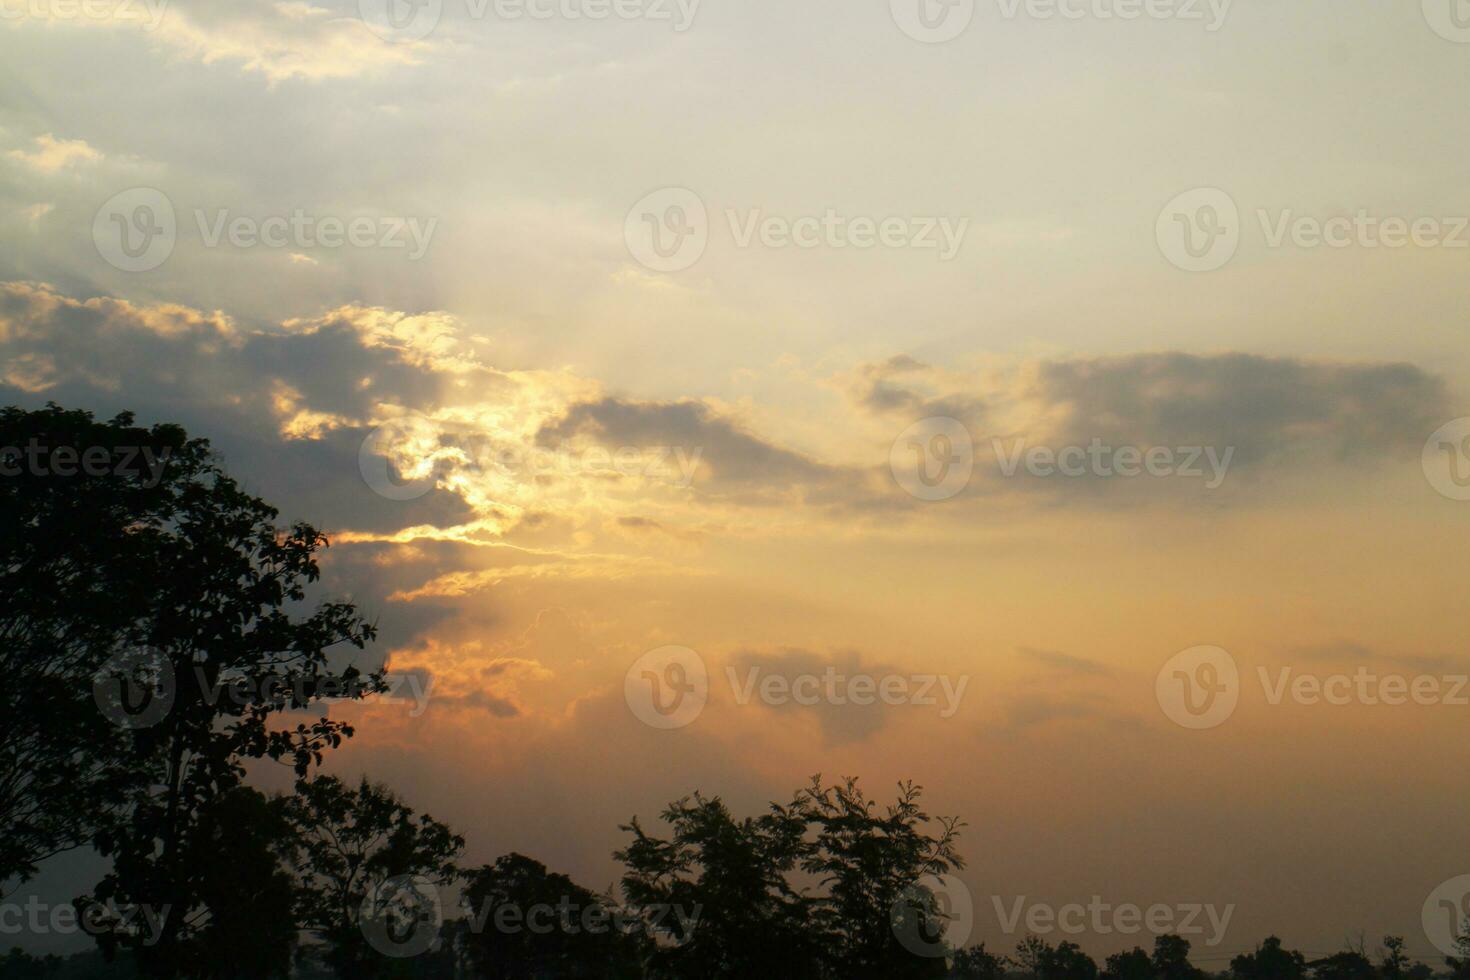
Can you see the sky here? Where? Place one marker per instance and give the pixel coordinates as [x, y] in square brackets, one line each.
[629, 348]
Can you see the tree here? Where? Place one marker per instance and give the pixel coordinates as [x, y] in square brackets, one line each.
[20, 965]
[975, 963]
[246, 845]
[228, 655]
[369, 870]
[715, 897]
[1459, 966]
[869, 866]
[871, 863]
[1032, 955]
[1394, 964]
[1269, 962]
[525, 921]
[86, 510]
[1071, 963]
[1347, 965]
[1042, 961]
[241, 926]
[1135, 964]
[1171, 959]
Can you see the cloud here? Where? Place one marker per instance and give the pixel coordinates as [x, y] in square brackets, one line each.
[1270, 409]
[290, 408]
[904, 386]
[1229, 418]
[725, 459]
[279, 39]
[1348, 652]
[502, 450]
[1067, 689]
[1030, 711]
[302, 403]
[525, 564]
[515, 665]
[34, 213]
[839, 723]
[458, 676]
[51, 154]
[100, 339]
[1339, 650]
[1065, 662]
[512, 445]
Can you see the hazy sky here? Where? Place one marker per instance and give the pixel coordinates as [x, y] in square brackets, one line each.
[662, 308]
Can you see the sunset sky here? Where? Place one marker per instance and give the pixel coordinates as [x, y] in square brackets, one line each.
[612, 458]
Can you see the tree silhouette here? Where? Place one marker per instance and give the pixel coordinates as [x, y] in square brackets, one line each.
[1171, 959]
[1395, 962]
[85, 526]
[869, 861]
[528, 922]
[731, 875]
[219, 622]
[1042, 961]
[20, 965]
[1269, 962]
[975, 963]
[367, 862]
[1347, 965]
[868, 865]
[1133, 964]
[132, 565]
[242, 926]
[1459, 966]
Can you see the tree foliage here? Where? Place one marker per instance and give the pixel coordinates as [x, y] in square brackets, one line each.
[866, 863]
[361, 852]
[81, 547]
[527, 921]
[129, 556]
